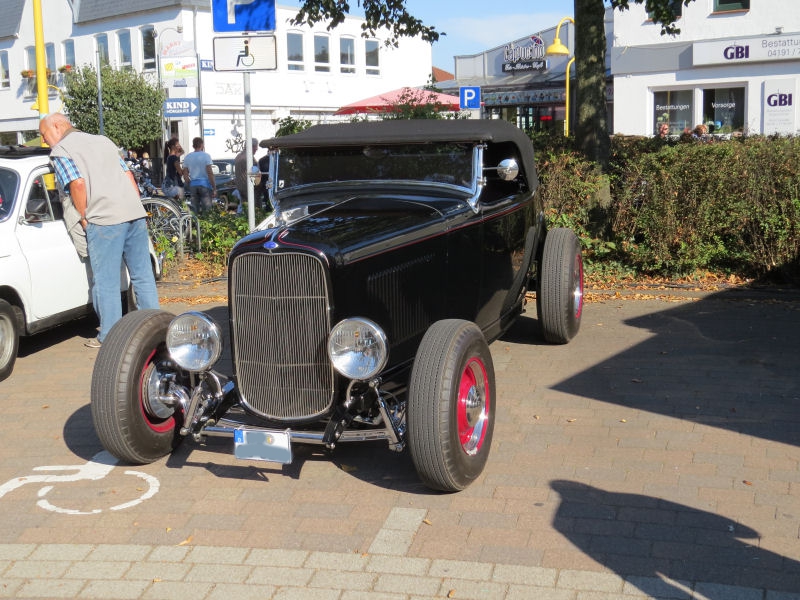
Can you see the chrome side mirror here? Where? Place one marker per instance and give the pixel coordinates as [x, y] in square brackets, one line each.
[508, 169]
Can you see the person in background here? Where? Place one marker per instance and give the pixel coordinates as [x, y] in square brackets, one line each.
[240, 172]
[105, 194]
[172, 186]
[263, 192]
[202, 186]
[663, 131]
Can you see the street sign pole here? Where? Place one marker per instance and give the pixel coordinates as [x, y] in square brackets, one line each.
[248, 133]
[245, 54]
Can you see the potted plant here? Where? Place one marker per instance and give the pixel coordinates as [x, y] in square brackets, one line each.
[65, 68]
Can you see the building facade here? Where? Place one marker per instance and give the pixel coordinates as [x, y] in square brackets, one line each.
[316, 71]
[734, 67]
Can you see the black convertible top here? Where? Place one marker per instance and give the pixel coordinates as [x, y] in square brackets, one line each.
[410, 131]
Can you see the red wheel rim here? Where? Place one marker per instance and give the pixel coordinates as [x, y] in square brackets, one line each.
[159, 426]
[472, 407]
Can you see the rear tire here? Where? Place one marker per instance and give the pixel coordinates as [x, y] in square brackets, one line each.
[559, 295]
[9, 339]
[133, 352]
[451, 405]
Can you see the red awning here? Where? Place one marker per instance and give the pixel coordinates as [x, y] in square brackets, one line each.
[405, 95]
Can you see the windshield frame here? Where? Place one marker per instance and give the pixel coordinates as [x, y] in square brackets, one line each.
[470, 191]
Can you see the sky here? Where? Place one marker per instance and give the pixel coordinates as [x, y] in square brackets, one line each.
[473, 26]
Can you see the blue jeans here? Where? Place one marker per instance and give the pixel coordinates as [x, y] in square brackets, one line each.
[109, 245]
[201, 198]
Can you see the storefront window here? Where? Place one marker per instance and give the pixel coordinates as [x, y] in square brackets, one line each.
[321, 54]
[373, 58]
[148, 47]
[723, 110]
[673, 107]
[294, 51]
[347, 55]
[5, 81]
[723, 5]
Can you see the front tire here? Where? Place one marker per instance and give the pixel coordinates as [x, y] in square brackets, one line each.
[9, 339]
[133, 354]
[451, 405]
[559, 295]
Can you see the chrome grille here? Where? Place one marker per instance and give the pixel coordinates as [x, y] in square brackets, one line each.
[280, 326]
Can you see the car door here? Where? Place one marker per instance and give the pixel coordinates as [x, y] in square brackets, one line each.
[59, 279]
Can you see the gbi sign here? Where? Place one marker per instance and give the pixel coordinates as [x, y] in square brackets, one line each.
[736, 52]
[779, 100]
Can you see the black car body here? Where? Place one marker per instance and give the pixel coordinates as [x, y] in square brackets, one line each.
[363, 308]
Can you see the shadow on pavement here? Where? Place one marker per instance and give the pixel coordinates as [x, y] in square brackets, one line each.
[659, 546]
[729, 360]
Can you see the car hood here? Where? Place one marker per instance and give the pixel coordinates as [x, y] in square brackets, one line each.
[350, 229]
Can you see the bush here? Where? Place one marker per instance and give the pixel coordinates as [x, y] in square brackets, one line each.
[220, 231]
[730, 206]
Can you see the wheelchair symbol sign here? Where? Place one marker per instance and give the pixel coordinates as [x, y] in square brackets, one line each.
[245, 53]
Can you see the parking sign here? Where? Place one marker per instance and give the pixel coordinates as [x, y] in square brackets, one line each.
[469, 97]
[243, 15]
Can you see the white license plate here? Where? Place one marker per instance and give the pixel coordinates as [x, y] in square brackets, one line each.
[253, 444]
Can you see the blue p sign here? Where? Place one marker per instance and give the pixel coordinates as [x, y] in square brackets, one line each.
[469, 97]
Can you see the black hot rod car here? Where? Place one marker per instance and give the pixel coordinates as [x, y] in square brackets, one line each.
[362, 309]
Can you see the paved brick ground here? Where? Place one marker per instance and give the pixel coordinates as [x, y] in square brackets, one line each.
[656, 456]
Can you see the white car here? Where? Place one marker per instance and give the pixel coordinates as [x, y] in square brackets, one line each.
[43, 280]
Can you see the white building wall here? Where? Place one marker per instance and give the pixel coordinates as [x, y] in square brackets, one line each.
[306, 94]
[645, 63]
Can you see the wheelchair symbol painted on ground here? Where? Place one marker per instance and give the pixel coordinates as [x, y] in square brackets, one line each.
[96, 469]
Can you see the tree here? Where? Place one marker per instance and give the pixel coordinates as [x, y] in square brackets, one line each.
[131, 105]
[591, 131]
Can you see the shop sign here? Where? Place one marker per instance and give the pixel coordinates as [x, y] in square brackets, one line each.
[179, 71]
[524, 57]
[778, 106]
[746, 50]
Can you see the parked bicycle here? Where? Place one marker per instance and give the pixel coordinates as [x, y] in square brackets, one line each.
[172, 224]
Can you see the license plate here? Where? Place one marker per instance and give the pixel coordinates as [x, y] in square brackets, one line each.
[253, 444]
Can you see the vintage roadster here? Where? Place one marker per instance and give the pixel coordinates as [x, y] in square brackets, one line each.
[362, 309]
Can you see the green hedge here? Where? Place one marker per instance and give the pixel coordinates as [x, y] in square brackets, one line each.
[729, 206]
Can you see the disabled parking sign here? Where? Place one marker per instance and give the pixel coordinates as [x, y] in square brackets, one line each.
[245, 53]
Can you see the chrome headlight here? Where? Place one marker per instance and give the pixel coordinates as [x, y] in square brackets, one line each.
[357, 348]
[194, 341]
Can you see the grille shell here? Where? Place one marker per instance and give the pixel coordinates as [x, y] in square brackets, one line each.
[280, 322]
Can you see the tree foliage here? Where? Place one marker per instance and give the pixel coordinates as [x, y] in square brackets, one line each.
[663, 12]
[378, 14]
[131, 105]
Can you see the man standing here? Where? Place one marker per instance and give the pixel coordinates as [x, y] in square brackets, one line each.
[202, 186]
[240, 171]
[106, 196]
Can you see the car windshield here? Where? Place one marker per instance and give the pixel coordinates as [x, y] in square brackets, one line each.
[397, 163]
[9, 182]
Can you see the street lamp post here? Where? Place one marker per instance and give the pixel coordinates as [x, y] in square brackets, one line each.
[557, 48]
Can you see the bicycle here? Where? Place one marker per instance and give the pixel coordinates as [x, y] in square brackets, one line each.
[171, 223]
